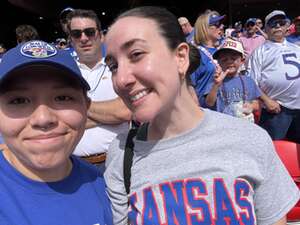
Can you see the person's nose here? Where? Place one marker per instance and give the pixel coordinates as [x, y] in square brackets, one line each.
[43, 118]
[84, 37]
[125, 77]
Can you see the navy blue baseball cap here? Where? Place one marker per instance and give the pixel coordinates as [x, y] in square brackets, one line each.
[250, 21]
[39, 53]
[215, 19]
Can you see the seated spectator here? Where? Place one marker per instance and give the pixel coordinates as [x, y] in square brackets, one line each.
[295, 37]
[43, 110]
[230, 92]
[275, 67]
[26, 33]
[250, 39]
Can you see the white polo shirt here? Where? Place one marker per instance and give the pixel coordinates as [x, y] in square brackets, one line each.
[96, 140]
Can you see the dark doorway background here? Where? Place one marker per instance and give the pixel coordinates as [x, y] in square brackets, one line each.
[43, 14]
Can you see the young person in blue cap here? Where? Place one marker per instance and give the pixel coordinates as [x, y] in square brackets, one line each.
[43, 110]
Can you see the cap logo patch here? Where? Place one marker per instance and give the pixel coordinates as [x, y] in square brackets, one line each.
[38, 49]
[230, 44]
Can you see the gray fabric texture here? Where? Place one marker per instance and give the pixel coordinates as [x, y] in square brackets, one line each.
[220, 150]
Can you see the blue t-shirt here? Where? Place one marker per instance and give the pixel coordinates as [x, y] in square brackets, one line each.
[204, 73]
[79, 199]
[190, 37]
[231, 92]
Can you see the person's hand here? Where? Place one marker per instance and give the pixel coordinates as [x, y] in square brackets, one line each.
[273, 106]
[247, 108]
[220, 75]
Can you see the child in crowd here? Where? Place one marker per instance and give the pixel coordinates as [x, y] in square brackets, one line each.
[231, 92]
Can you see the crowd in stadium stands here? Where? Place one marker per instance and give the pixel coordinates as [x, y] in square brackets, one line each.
[177, 118]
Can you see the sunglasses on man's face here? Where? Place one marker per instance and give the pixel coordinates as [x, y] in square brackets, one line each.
[89, 32]
[274, 23]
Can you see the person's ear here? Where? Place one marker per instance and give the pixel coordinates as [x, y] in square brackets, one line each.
[182, 54]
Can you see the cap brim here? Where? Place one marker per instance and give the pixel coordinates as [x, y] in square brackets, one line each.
[217, 53]
[214, 20]
[25, 64]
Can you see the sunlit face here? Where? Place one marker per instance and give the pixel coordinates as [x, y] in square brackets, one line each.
[87, 47]
[42, 118]
[145, 72]
[215, 32]
[277, 28]
[230, 60]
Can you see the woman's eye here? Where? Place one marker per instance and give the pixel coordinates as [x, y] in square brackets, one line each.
[19, 100]
[63, 98]
[136, 55]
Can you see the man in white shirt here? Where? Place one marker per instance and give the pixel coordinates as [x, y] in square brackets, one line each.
[107, 115]
[275, 66]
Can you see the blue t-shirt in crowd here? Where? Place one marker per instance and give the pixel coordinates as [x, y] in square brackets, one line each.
[204, 73]
[79, 199]
[231, 92]
[190, 37]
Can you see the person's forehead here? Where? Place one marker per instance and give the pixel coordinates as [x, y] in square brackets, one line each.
[82, 22]
[132, 27]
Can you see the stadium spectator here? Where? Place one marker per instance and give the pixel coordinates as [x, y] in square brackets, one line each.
[43, 109]
[250, 39]
[187, 29]
[275, 66]
[231, 92]
[26, 33]
[207, 34]
[295, 37]
[107, 115]
[187, 163]
[260, 28]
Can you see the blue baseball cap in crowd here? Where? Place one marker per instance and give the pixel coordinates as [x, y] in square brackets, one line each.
[215, 19]
[250, 21]
[39, 53]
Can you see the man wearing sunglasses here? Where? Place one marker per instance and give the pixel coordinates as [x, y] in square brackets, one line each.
[107, 115]
[275, 66]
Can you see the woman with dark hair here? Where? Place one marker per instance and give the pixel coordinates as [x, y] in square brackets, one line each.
[188, 165]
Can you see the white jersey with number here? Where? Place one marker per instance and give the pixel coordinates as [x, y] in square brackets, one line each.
[276, 69]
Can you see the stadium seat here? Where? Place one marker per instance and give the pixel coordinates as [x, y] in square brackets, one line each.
[289, 153]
